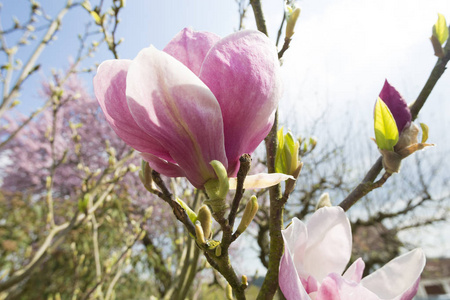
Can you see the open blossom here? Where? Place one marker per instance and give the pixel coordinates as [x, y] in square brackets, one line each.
[201, 99]
[315, 257]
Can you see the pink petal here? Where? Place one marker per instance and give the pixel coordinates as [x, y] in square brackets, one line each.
[398, 279]
[355, 271]
[335, 287]
[329, 243]
[173, 106]
[243, 72]
[190, 47]
[109, 87]
[288, 279]
[397, 105]
[162, 166]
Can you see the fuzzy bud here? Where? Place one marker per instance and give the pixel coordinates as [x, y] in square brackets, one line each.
[324, 201]
[292, 16]
[229, 292]
[199, 233]
[204, 216]
[249, 213]
[244, 280]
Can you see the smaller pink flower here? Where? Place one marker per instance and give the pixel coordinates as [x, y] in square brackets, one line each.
[315, 257]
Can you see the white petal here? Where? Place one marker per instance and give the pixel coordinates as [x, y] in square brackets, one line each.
[296, 238]
[329, 242]
[395, 279]
[261, 180]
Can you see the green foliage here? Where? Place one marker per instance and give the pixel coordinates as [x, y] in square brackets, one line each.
[386, 132]
[424, 132]
[191, 214]
[440, 29]
[286, 159]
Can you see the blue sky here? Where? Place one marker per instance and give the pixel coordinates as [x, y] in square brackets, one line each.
[339, 58]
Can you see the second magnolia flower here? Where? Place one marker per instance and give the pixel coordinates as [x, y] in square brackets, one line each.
[201, 99]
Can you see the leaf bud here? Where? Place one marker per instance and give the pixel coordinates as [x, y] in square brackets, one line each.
[249, 213]
[291, 17]
[218, 251]
[204, 216]
[199, 233]
[286, 159]
[244, 280]
[324, 201]
[229, 292]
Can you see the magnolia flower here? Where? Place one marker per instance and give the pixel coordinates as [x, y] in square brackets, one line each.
[201, 99]
[395, 133]
[315, 257]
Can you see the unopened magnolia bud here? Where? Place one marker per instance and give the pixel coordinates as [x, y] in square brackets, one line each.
[324, 201]
[204, 216]
[249, 213]
[292, 16]
[218, 251]
[229, 292]
[244, 280]
[145, 175]
[199, 233]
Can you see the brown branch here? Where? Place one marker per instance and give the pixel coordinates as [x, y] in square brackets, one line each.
[165, 195]
[259, 16]
[276, 247]
[245, 161]
[287, 41]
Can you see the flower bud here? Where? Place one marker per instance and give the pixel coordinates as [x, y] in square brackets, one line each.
[249, 213]
[204, 216]
[291, 16]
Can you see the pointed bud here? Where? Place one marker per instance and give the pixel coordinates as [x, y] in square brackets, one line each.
[204, 216]
[291, 17]
[229, 292]
[244, 280]
[145, 175]
[440, 29]
[324, 201]
[249, 213]
[199, 233]
[218, 251]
